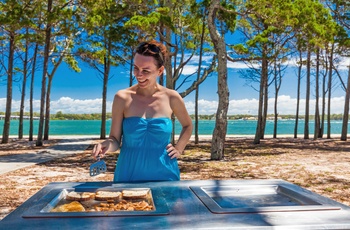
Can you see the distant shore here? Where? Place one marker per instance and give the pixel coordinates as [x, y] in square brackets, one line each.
[201, 137]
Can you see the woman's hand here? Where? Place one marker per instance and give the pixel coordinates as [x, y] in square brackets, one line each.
[172, 151]
[100, 149]
[111, 144]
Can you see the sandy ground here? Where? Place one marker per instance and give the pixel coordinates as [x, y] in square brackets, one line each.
[321, 166]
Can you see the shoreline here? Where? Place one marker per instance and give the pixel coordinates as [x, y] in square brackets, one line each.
[201, 137]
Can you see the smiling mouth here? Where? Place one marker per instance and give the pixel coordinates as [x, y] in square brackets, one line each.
[141, 82]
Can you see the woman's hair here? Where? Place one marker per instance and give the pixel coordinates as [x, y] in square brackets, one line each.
[154, 49]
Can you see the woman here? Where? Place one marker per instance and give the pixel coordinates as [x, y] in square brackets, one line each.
[141, 120]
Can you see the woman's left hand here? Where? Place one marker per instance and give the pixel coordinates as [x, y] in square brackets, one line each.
[172, 151]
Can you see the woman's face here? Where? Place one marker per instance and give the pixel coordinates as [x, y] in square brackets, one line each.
[146, 71]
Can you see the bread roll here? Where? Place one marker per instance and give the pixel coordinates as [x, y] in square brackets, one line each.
[135, 194]
[80, 196]
[107, 195]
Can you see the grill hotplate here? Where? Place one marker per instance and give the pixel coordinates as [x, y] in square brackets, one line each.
[256, 198]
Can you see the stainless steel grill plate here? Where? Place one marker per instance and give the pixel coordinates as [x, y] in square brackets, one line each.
[255, 198]
[58, 198]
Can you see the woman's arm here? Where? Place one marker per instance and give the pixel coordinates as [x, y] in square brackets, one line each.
[178, 106]
[113, 142]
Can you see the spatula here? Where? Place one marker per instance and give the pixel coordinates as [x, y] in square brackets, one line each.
[98, 167]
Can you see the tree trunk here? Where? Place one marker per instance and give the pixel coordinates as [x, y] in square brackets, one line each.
[298, 95]
[317, 111]
[307, 96]
[266, 104]
[31, 125]
[324, 92]
[330, 92]
[48, 97]
[39, 141]
[47, 109]
[6, 130]
[24, 83]
[168, 68]
[260, 113]
[262, 110]
[344, 130]
[107, 67]
[219, 133]
[131, 68]
[277, 88]
[196, 138]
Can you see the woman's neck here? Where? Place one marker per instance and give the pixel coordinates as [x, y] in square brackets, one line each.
[149, 91]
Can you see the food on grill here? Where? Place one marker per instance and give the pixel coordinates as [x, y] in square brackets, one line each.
[73, 206]
[107, 195]
[106, 200]
[123, 206]
[80, 196]
[135, 194]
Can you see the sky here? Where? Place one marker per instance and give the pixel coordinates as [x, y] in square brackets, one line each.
[82, 92]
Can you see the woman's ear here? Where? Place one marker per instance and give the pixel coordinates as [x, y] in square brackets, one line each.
[160, 70]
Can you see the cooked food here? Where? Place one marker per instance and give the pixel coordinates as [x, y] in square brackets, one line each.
[74, 206]
[135, 194]
[107, 195]
[80, 196]
[123, 206]
[107, 200]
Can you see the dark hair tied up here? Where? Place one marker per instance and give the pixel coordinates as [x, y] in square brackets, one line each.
[154, 49]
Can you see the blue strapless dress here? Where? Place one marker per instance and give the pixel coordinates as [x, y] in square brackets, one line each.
[143, 155]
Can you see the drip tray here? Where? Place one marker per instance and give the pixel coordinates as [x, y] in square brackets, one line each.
[256, 198]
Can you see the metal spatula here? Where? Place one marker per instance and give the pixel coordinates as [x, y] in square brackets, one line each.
[98, 167]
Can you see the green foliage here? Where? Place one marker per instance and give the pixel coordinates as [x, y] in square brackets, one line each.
[148, 24]
[240, 49]
[92, 116]
[229, 15]
[100, 30]
[315, 25]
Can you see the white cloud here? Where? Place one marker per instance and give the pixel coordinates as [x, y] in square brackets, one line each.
[189, 69]
[286, 105]
[237, 65]
[64, 104]
[344, 63]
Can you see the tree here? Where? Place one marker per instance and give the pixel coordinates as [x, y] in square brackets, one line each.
[39, 141]
[340, 11]
[181, 26]
[278, 74]
[105, 39]
[218, 40]
[62, 44]
[266, 26]
[317, 109]
[24, 83]
[307, 99]
[299, 76]
[11, 20]
[31, 111]
[199, 32]
[312, 30]
[344, 131]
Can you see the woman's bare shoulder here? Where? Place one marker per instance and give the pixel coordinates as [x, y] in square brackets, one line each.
[172, 94]
[125, 93]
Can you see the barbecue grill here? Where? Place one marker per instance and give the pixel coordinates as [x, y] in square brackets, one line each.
[202, 204]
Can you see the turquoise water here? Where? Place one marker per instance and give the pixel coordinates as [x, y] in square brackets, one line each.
[206, 127]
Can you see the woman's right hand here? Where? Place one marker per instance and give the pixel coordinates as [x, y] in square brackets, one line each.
[100, 149]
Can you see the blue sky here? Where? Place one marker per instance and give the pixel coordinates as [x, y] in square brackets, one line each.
[82, 92]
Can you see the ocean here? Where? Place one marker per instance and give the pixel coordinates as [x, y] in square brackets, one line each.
[206, 127]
